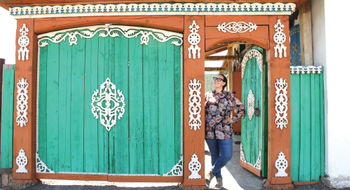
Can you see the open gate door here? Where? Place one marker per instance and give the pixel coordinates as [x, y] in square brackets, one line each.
[253, 150]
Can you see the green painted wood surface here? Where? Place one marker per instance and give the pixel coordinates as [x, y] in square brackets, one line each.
[307, 127]
[8, 87]
[254, 131]
[147, 140]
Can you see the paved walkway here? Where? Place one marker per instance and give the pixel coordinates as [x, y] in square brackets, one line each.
[234, 178]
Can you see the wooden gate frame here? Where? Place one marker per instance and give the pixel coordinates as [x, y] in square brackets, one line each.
[263, 36]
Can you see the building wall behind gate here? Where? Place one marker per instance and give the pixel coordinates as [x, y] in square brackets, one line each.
[148, 137]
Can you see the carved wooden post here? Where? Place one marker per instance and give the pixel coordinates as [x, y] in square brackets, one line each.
[194, 53]
[25, 103]
[279, 159]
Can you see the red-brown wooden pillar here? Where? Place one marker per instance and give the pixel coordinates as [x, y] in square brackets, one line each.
[25, 103]
[279, 133]
[194, 53]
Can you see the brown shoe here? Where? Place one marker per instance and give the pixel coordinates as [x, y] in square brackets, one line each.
[208, 178]
[219, 183]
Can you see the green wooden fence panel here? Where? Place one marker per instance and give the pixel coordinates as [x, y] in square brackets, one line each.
[148, 138]
[307, 130]
[7, 107]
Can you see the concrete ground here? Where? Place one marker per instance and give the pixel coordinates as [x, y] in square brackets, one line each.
[234, 178]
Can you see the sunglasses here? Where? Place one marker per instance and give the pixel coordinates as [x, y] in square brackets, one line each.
[218, 79]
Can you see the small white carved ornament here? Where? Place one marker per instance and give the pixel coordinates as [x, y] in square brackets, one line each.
[194, 104]
[237, 27]
[250, 104]
[281, 165]
[279, 37]
[194, 166]
[253, 53]
[23, 42]
[21, 161]
[194, 38]
[108, 104]
[41, 166]
[281, 103]
[305, 69]
[22, 102]
[177, 169]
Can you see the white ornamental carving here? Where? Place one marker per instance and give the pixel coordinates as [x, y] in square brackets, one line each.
[237, 27]
[250, 104]
[108, 104]
[305, 69]
[281, 103]
[194, 38]
[112, 31]
[194, 166]
[22, 102]
[194, 104]
[23, 42]
[177, 169]
[253, 53]
[21, 161]
[279, 37]
[41, 166]
[257, 164]
[281, 165]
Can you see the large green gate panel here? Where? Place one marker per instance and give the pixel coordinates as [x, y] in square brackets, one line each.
[307, 123]
[145, 65]
[7, 115]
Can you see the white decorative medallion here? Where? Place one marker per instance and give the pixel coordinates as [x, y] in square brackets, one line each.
[21, 161]
[23, 42]
[237, 27]
[279, 37]
[194, 104]
[22, 102]
[281, 165]
[177, 169]
[253, 53]
[250, 104]
[41, 166]
[108, 104]
[194, 166]
[194, 38]
[281, 103]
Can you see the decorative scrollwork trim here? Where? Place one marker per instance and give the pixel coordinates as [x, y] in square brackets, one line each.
[237, 27]
[194, 104]
[281, 103]
[41, 166]
[194, 51]
[281, 165]
[153, 9]
[177, 169]
[305, 69]
[194, 166]
[249, 55]
[21, 161]
[257, 164]
[22, 102]
[110, 31]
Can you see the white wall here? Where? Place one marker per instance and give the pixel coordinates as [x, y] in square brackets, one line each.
[331, 42]
[7, 37]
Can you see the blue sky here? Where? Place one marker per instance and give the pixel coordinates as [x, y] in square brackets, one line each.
[7, 37]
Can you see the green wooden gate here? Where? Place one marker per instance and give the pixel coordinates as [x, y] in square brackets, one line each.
[254, 123]
[110, 101]
[307, 123]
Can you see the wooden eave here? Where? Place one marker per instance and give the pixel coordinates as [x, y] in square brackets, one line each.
[11, 3]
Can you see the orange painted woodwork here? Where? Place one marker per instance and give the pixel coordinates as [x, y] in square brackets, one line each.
[193, 69]
[213, 21]
[171, 23]
[237, 87]
[278, 68]
[24, 137]
[213, 37]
